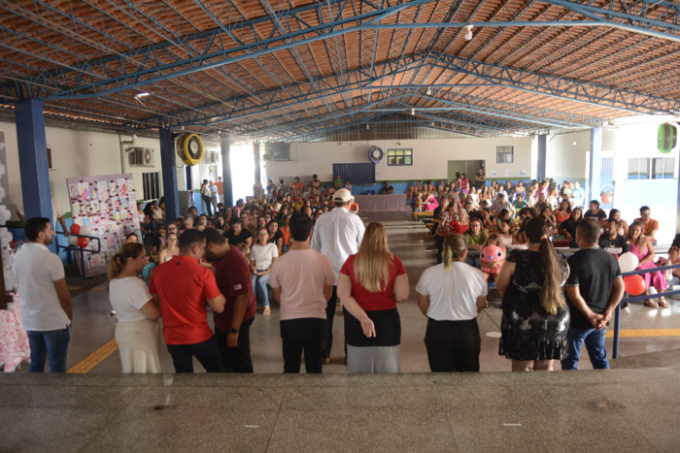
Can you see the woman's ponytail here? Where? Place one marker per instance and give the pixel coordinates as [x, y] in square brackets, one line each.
[552, 297]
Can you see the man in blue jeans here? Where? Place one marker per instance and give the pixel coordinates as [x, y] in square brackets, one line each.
[46, 305]
[594, 289]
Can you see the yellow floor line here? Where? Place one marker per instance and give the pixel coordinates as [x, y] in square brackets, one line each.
[95, 358]
[639, 333]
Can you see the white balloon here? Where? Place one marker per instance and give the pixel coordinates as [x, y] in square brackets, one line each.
[628, 262]
[2, 169]
[73, 240]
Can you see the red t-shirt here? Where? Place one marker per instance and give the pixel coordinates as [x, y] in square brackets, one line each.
[183, 287]
[374, 301]
[233, 279]
[459, 228]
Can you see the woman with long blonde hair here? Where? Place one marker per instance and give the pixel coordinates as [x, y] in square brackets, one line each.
[370, 285]
[535, 317]
[451, 295]
[137, 331]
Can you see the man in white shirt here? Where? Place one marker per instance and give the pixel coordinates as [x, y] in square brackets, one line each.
[501, 203]
[47, 308]
[213, 193]
[337, 235]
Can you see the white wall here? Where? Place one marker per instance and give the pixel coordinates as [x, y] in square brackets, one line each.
[81, 153]
[429, 158]
[566, 156]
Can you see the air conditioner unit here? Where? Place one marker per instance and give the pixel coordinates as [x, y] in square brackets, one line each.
[140, 157]
[212, 157]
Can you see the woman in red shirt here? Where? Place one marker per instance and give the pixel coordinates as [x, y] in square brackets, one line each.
[370, 285]
[461, 225]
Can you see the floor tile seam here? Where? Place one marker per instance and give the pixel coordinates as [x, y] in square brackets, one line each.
[276, 420]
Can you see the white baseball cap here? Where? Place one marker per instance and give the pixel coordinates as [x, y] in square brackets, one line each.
[343, 195]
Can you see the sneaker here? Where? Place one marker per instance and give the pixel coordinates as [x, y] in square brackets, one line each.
[624, 305]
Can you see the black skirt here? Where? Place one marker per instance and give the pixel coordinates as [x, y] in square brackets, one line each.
[387, 329]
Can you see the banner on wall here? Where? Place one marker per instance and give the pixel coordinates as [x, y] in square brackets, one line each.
[108, 205]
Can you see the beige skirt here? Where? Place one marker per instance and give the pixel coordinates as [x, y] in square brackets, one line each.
[139, 345]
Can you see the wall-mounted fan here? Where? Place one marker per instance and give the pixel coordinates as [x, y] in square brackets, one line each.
[375, 154]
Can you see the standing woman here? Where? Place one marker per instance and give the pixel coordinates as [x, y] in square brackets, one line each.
[480, 179]
[370, 285]
[205, 196]
[535, 315]
[451, 295]
[137, 332]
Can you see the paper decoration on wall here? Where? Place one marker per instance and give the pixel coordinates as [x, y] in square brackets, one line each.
[522, 173]
[494, 173]
[106, 204]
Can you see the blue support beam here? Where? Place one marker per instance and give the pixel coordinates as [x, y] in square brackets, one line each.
[169, 169]
[542, 156]
[595, 161]
[33, 165]
[225, 149]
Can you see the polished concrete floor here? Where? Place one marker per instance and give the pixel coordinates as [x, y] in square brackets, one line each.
[632, 408]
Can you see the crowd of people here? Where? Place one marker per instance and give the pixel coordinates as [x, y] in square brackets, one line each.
[304, 247]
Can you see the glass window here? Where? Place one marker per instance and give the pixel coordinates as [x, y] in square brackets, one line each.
[407, 161]
[504, 154]
[644, 168]
[397, 157]
[633, 167]
[669, 168]
[657, 168]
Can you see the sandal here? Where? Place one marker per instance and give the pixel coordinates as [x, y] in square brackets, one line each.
[651, 304]
[663, 303]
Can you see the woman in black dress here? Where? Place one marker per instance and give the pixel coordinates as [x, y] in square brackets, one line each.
[535, 315]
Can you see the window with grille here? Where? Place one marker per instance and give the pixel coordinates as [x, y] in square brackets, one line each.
[151, 185]
[399, 157]
[651, 168]
[505, 154]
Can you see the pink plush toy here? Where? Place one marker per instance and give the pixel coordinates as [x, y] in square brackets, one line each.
[491, 259]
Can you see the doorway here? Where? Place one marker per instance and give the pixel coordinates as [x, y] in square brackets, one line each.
[469, 167]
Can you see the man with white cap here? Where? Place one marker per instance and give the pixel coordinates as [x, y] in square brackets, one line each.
[337, 235]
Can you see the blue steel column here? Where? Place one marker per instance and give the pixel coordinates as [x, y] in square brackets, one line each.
[169, 173]
[542, 153]
[35, 176]
[595, 164]
[226, 172]
[189, 183]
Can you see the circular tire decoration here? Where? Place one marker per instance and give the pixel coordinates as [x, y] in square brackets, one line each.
[375, 154]
[190, 149]
[667, 138]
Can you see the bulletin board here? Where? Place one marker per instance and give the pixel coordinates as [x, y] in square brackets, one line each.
[108, 205]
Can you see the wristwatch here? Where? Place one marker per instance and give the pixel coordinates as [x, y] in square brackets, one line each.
[232, 330]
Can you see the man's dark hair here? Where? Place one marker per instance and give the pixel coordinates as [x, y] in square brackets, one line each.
[235, 221]
[590, 230]
[300, 225]
[213, 236]
[595, 202]
[194, 208]
[190, 238]
[35, 226]
[644, 208]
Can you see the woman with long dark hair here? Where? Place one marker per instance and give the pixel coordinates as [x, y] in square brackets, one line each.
[535, 317]
[137, 331]
[370, 285]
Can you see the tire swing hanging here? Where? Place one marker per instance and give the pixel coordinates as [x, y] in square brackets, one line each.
[190, 149]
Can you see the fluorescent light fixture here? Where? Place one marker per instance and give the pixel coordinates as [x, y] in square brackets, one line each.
[468, 32]
[429, 92]
[413, 111]
[142, 95]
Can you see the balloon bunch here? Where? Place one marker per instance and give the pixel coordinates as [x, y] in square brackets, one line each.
[79, 241]
[635, 284]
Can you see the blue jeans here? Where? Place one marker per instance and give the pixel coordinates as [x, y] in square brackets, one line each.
[260, 285]
[594, 340]
[51, 344]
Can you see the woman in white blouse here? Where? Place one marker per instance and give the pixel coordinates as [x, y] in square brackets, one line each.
[451, 295]
[137, 331]
[262, 256]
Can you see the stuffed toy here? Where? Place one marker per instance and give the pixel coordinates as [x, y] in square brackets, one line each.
[491, 259]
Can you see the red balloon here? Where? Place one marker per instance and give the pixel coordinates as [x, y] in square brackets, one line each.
[82, 242]
[75, 228]
[635, 285]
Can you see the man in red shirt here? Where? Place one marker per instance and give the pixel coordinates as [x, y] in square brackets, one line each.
[181, 287]
[232, 326]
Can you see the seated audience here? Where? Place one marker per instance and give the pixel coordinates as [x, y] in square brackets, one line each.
[262, 256]
[615, 215]
[502, 203]
[642, 247]
[519, 203]
[476, 238]
[612, 242]
[137, 332]
[569, 226]
[171, 249]
[651, 226]
[595, 212]
[275, 236]
[370, 284]
[451, 295]
[387, 190]
[563, 213]
[237, 234]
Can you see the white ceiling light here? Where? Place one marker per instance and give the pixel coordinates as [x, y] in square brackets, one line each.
[468, 32]
[142, 95]
[413, 111]
[368, 126]
[429, 92]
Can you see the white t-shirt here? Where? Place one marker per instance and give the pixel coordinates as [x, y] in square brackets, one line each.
[36, 269]
[213, 190]
[337, 235]
[128, 296]
[206, 191]
[453, 294]
[263, 255]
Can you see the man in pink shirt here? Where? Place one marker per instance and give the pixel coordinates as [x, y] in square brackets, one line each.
[303, 301]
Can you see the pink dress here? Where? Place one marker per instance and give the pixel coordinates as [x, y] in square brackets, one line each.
[656, 278]
[431, 204]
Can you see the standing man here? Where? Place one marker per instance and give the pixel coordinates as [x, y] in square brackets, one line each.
[297, 185]
[594, 289]
[181, 288]
[232, 326]
[651, 225]
[213, 195]
[337, 235]
[220, 189]
[316, 183]
[46, 305]
[303, 302]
